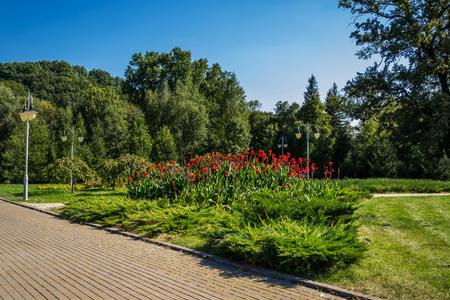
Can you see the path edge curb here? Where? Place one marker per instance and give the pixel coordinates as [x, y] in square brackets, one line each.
[318, 286]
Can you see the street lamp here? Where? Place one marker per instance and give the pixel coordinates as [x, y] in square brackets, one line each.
[299, 135]
[27, 114]
[80, 139]
[282, 144]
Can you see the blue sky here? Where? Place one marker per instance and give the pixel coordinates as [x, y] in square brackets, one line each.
[272, 46]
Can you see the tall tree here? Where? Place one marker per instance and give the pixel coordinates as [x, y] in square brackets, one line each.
[9, 107]
[227, 109]
[409, 90]
[312, 109]
[335, 107]
[150, 72]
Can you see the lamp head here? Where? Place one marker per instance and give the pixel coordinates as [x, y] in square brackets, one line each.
[31, 113]
[64, 138]
[298, 135]
[279, 145]
[80, 138]
[317, 135]
[285, 145]
[23, 115]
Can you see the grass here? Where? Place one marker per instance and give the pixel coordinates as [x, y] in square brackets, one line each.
[62, 194]
[387, 185]
[408, 257]
[408, 238]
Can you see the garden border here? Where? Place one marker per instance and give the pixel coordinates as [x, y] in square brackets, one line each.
[321, 287]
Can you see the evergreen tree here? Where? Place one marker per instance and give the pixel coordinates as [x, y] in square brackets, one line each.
[312, 110]
[335, 107]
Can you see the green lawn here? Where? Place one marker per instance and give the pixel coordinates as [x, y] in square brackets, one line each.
[408, 239]
[409, 243]
[61, 195]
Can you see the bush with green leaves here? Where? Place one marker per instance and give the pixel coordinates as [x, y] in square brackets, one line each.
[119, 170]
[294, 246]
[65, 168]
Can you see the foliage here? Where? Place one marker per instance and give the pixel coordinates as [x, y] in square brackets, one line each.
[294, 247]
[312, 110]
[9, 105]
[408, 92]
[117, 171]
[63, 169]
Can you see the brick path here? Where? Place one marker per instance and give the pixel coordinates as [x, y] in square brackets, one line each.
[45, 257]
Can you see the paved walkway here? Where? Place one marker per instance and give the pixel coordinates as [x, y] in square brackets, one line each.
[45, 257]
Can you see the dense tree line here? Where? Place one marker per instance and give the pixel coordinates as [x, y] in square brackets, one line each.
[169, 106]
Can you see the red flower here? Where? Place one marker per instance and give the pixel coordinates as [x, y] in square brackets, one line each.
[129, 178]
[258, 171]
[143, 162]
[172, 161]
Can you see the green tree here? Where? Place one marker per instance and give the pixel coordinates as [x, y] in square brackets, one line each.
[313, 110]
[262, 130]
[107, 121]
[9, 107]
[409, 91]
[39, 150]
[151, 71]
[183, 112]
[227, 110]
[63, 169]
[164, 146]
[335, 107]
[103, 78]
[140, 142]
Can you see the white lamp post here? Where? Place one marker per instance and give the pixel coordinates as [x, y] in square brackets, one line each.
[27, 114]
[299, 135]
[80, 139]
[282, 144]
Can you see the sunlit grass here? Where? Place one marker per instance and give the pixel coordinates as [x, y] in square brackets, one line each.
[45, 193]
[388, 185]
[408, 257]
